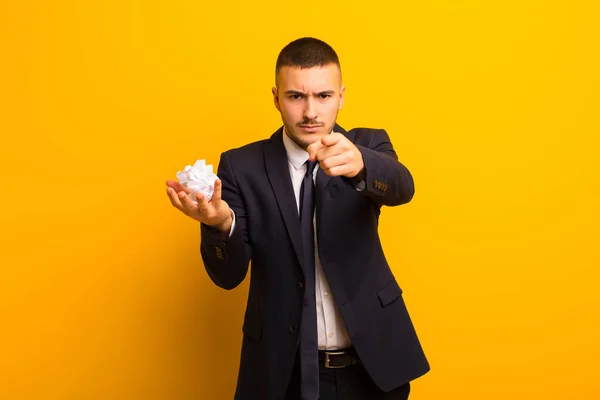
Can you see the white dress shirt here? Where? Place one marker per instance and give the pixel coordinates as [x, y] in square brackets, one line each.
[331, 330]
[330, 326]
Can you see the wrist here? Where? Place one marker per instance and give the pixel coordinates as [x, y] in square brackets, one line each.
[359, 173]
[226, 226]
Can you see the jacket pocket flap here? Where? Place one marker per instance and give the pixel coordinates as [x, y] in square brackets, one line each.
[389, 293]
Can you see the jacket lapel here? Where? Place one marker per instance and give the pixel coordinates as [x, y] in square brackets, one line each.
[278, 172]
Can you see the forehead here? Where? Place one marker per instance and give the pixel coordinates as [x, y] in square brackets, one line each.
[313, 79]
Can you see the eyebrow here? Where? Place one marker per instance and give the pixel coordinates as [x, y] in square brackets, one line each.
[289, 92]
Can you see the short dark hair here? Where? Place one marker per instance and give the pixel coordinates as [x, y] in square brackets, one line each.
[306, 52]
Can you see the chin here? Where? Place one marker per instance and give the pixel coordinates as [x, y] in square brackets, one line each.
[307, 139]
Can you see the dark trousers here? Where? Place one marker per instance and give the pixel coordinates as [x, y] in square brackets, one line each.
[348, 383]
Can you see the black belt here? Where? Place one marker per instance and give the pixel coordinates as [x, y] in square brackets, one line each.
[338, 358]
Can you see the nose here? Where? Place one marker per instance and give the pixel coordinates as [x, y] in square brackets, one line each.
[310, 110]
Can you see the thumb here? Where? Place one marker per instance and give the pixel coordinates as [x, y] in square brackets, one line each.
[331, 139]
[217, 191]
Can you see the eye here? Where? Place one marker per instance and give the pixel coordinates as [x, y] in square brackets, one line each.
[324, 96]
[296, 96]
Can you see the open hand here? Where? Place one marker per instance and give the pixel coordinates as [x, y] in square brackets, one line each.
[215, 213]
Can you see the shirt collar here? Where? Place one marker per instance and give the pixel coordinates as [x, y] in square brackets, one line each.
[296, 155]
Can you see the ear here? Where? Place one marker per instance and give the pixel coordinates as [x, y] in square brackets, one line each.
[276, 98]
[342, 95]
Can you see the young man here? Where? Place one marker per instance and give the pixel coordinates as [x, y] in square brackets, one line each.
[325, 317]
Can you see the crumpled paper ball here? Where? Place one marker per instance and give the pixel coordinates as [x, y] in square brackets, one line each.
[199, 178]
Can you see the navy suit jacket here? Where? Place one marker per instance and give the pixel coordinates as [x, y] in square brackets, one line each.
[258, 187]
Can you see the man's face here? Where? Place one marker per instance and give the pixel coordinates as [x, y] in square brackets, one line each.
[309, 100]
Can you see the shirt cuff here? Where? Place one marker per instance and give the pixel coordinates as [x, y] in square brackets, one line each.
[232, 223]
[359, 185]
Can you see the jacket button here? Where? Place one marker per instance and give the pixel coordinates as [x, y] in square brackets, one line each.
[300, 284]
[293, 329]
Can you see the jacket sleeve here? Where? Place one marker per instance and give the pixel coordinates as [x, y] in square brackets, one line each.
[226, 259]
[387, 181]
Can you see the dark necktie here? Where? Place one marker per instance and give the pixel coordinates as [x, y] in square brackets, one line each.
[308, 327]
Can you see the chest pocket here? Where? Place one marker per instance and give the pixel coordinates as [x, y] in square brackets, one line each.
[389, 293]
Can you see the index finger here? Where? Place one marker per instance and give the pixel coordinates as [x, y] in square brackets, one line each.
[313, 149]
[331, 139]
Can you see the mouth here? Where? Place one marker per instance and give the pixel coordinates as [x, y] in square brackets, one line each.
[310, 128]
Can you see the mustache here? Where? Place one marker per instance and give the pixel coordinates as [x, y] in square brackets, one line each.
[310, 122]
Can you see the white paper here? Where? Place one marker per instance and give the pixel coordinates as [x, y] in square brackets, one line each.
[199, 178]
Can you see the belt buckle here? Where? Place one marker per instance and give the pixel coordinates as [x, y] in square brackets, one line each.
[332, 353]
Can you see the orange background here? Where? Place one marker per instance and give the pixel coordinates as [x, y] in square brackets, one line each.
[492, 105]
